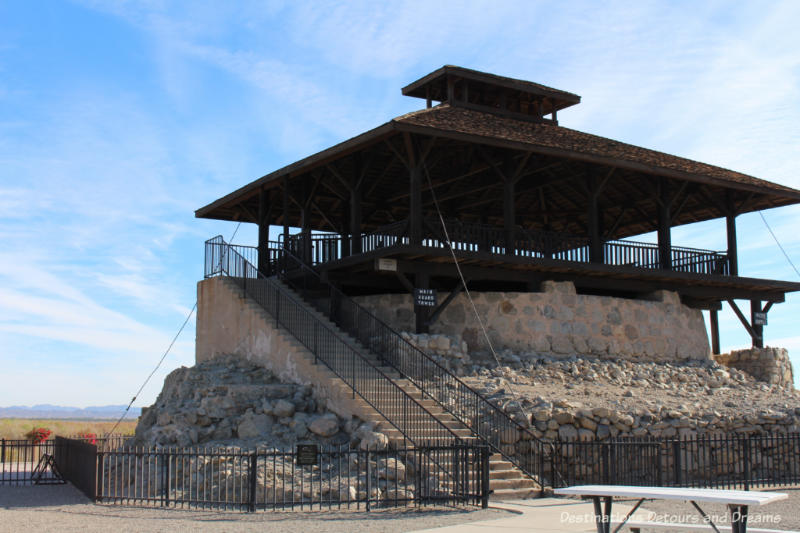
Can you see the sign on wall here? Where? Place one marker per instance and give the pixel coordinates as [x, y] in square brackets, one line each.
[425, 297]
[307, 454]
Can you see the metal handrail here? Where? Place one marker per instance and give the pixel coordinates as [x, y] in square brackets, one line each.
[485, 419]
[325, 343]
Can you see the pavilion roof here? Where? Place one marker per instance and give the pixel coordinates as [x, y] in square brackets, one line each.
[472, 127]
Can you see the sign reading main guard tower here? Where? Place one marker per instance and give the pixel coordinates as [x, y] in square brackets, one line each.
[425, 297]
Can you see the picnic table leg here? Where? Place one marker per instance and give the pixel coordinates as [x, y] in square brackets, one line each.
[602, 516]
[738, 518]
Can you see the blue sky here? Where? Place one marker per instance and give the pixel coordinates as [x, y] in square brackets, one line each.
[119, 119]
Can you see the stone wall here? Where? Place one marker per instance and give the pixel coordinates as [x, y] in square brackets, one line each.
[559, 321]
[230, 323]
[770, 365]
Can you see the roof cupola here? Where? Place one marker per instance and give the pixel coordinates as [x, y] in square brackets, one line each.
[481, 91]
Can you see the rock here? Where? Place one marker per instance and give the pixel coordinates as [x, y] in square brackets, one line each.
[568, 432]
[283, 408]
[588, 423]
[347, 493]
[253, 426]
[372, 440]
[564, 417]
[325, 425]
[391, 469]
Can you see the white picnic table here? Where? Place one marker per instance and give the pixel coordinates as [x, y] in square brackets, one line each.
[737, 501]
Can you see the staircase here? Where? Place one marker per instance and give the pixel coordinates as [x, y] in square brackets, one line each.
[412, 398]
[506, 481]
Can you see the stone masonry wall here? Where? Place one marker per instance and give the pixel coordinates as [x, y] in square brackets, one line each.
[770, 365]
[560, 322]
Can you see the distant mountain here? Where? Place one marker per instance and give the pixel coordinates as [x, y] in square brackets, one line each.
[60, 411]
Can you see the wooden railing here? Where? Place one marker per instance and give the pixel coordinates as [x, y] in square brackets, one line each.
[477, 238]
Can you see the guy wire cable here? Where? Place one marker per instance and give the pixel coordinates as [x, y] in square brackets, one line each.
[171, 344]
[466, 290]
[779, 244]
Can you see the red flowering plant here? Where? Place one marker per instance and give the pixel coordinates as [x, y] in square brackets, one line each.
[38, 435]
[89, 438]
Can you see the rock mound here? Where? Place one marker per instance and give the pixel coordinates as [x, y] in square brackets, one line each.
[228, 401]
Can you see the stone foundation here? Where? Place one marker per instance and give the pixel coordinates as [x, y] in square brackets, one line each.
[558, 321]
[770, 365]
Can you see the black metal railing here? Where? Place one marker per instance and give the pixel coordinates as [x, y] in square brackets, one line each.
[23, 462]
[258, 479]
[315, 249]
[714, 461]
[329, 346]
[484, 419]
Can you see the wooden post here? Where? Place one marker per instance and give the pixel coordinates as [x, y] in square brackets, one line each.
[355, 217]
[664, 223]
[305, 224]
[509, 216]
[714, 319]
[758, 329]
[263, 230]
[415, 208]
[421, 281]
[285, 211]
[595, 239]
[345, 229]
[733, 260]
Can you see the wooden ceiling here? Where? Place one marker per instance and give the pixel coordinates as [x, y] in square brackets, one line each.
[552, 192]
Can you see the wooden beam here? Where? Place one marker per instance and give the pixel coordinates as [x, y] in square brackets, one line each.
[285, 211]
[405, 282]
[742, 319]
[714, 319]
[450, 297]
[730, 226]
[664, 226]
[758, 329]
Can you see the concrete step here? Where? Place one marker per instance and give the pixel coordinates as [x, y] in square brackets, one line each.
[516, 484]
[514, 494]
[505, 474]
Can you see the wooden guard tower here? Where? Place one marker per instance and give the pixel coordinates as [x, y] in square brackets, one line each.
[523, 200]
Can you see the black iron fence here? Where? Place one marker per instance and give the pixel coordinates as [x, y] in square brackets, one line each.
[23, 462]
[250, 480]
[715, 461]
[19, 460]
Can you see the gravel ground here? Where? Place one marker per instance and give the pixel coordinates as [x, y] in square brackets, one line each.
[784, 514]
[63, 509]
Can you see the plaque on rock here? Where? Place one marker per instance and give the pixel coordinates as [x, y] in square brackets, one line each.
[307, 454]
[425, 297]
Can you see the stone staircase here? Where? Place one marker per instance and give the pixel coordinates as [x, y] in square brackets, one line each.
[506, 481]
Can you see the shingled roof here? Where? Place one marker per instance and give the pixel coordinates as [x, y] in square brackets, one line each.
[558, 140]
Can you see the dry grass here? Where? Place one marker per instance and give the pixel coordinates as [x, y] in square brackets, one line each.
[16, 428]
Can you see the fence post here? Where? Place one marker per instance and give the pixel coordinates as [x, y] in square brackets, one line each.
[98, 472]
[659, 465]
[746, 460]
[3, 451]
[165, 498]
[485, 453]
[252, 479]
[676, 462]
[606, 463]
[367, 483]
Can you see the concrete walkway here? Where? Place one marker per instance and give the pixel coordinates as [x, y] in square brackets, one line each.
[542, 515]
